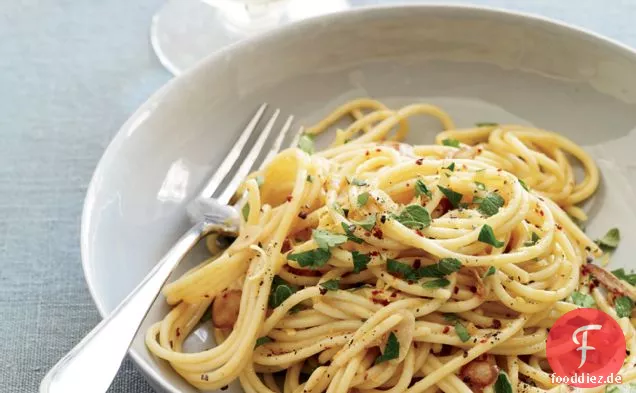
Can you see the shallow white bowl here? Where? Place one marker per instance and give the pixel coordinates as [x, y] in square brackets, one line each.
[478, 64]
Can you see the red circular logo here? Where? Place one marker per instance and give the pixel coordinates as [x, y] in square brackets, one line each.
[585, 348]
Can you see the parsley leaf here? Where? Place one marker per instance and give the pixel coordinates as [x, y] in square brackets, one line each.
[262, 340]
[450, 142]
[246, 211]
[331, 285]
[421, 189]
[363, 198]
[396, 267]
[486, 124]
[451, 167]
[326, 239]
[357, 182]
[349, 233]
[310, 179]
[461, 331]
[451, 317]
[391, 350]
[582, 300]
[414, 217]
[367, 223]
[630, 278]
[437, 283]
[491, 270]
[486, 235]
[281, 290]
[440, 269]
[312, 258]
[490, 204]
[611, 239]
[502, 385]
[360, 261]
[524, 185]
[533, 240]
[306, 143]
[623, 306]
[453, 197]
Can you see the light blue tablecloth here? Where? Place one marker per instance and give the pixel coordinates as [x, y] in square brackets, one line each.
[71, 71]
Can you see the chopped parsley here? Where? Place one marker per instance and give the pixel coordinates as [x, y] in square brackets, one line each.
[396, 267]
[533, 240]
[486, 235]
[451, 167]
[414, 217]
[582, 299]
[327, 240]
[246, 211]
[310, 179]
[524, 185]
[306, 143]
[360, 261]
[502, 384]
[348, 229]
[281, 291]
[262, 340]
[363, 198]
[312, 258]
[453, 197]
[491, 270]
[437, 283]
[461, 331]
[490, 204]
[331, 285]
[442, 268]
[610, 240]
[623, 306]
[391, 350]
[629, 278]
[450, 142]
[486, 124]
[421, 189]
[368, 222]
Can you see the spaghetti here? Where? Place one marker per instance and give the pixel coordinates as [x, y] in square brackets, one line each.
[377, 266]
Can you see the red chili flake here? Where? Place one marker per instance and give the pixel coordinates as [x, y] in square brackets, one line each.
[419, 232]
[394, 294]
[496, 324]
[383, 302]
[541, 213]
[419, 161]
[289, 198]
[559, 227]
[206, 296]
[456, 290]
[374, 253]
[483, 340]
[416, 264]
[366, 153]
[473, 289]
[376, 292]
[286, 246]
[377, 232]
[302, 214]
[446, 329]
[378, 150]
[178, 332]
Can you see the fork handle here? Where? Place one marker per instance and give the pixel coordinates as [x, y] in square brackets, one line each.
[91, 366]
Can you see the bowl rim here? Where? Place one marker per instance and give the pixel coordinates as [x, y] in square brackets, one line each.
[152, 374]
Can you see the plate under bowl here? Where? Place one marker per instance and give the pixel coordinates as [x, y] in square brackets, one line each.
[479, 64]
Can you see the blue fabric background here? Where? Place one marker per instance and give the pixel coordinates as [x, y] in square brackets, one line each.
[71, 72]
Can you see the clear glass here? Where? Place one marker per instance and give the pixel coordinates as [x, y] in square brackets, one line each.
[185, 31]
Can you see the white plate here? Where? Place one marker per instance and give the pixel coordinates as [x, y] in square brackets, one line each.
[478, 64]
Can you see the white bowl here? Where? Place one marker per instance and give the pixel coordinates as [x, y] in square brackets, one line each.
[479, 64]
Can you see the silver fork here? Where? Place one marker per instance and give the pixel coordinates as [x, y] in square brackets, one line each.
[93, 363]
